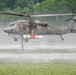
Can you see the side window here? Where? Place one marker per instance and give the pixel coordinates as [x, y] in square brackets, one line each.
[12, 25]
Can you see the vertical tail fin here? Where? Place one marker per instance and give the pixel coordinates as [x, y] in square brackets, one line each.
[70, 27]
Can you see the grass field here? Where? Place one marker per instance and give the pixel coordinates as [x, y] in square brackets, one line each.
[37, 69]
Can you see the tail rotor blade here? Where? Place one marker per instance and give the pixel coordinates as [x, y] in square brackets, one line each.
[69, 19]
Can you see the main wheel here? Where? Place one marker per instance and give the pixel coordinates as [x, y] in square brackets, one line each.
[15, 39]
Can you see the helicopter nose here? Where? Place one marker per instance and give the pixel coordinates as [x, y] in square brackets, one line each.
[6, 30]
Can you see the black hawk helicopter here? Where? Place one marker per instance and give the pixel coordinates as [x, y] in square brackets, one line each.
[35, 29]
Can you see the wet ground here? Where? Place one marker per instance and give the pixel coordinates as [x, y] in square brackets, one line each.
[50, 49]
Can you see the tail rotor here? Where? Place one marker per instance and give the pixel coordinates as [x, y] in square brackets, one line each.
[73, 15]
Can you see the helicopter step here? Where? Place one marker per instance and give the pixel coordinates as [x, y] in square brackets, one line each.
[31, 36]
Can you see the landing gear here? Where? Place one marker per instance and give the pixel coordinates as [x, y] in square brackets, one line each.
[61, 37]
[15, 39]
[8, 34]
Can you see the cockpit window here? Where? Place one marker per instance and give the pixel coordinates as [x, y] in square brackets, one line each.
[12, 25]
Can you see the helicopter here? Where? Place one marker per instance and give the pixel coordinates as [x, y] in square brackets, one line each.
[35, 29]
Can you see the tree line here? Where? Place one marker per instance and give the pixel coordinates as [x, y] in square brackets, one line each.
[38, 6]
[35, 7]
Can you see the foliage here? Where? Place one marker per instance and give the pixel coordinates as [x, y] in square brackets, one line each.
[26, 10]
[43, 6]
[37, 6]
[18, 9]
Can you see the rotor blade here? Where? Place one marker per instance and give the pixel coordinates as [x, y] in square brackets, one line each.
[7, 13]
[69, 19]
[15, 14]
[42, 15]
[46, 15]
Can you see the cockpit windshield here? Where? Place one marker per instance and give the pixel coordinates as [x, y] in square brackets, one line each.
[12, 25]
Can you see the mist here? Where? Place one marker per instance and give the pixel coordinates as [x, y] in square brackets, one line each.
[46, 50]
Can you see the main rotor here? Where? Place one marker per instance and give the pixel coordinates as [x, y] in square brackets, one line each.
[27, 15]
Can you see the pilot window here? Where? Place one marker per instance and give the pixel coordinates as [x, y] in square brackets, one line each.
[12, 25]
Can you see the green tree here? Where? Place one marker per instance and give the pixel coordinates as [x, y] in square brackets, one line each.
[37, 8]
[21, 3]
[48, 6]
[67, 5]
[10, 3]
[30, 5]
[18, 9]
[26, 10]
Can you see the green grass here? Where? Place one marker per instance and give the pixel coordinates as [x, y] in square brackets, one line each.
[37, 69]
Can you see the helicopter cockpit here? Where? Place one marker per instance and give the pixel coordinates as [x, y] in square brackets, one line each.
[12, 25]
